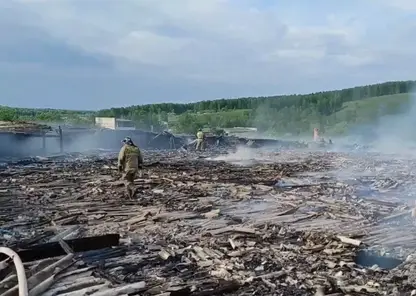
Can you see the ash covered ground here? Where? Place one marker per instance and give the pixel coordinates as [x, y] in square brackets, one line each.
[252, 222]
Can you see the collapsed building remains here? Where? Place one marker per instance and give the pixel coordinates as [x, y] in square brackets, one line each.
[29, 139]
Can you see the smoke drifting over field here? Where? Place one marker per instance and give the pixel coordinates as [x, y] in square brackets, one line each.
[392, 134]
[398, 133]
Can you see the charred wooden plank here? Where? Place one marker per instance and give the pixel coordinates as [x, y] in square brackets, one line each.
[54, 249]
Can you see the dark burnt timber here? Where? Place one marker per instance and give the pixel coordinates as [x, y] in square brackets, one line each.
[54, 249]
[282, 223]
[16, 138]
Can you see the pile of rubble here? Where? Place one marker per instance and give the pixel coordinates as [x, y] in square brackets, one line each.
[296, 226]
[23, 127]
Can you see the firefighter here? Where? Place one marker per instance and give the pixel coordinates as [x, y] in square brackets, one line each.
[130, 160]
[200, 140]
[316, 136]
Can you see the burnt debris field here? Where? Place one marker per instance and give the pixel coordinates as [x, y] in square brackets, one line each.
[279, 223]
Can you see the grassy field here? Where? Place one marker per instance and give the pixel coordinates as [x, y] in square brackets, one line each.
[376, 106]
[368, 111]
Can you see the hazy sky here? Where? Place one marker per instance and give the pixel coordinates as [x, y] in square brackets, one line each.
[91, 54]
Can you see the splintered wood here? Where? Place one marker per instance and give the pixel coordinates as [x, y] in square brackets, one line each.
[290, 225]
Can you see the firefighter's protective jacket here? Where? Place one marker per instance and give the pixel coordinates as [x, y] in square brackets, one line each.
[129, 158]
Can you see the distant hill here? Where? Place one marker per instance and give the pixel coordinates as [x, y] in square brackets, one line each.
[330, 110]
[369, 111]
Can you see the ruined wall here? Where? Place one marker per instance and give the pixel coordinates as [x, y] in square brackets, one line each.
[105, 122]
[111, 140]
[106, 139]
[20, 145]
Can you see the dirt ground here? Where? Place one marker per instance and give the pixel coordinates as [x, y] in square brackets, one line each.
[249, 223]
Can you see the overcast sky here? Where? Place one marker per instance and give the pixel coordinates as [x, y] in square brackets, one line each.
[92, 54]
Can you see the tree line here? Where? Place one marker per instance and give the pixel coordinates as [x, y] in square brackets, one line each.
[46, 115]
[282, 114]
[274, 114]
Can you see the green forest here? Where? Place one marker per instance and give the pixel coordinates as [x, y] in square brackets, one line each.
[46, 115]
[334, 112]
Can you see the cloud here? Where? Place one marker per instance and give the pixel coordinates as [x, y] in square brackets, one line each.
[406, 5]
[159, 50]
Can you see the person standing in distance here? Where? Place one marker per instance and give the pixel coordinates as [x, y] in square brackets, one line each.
[130, 160]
